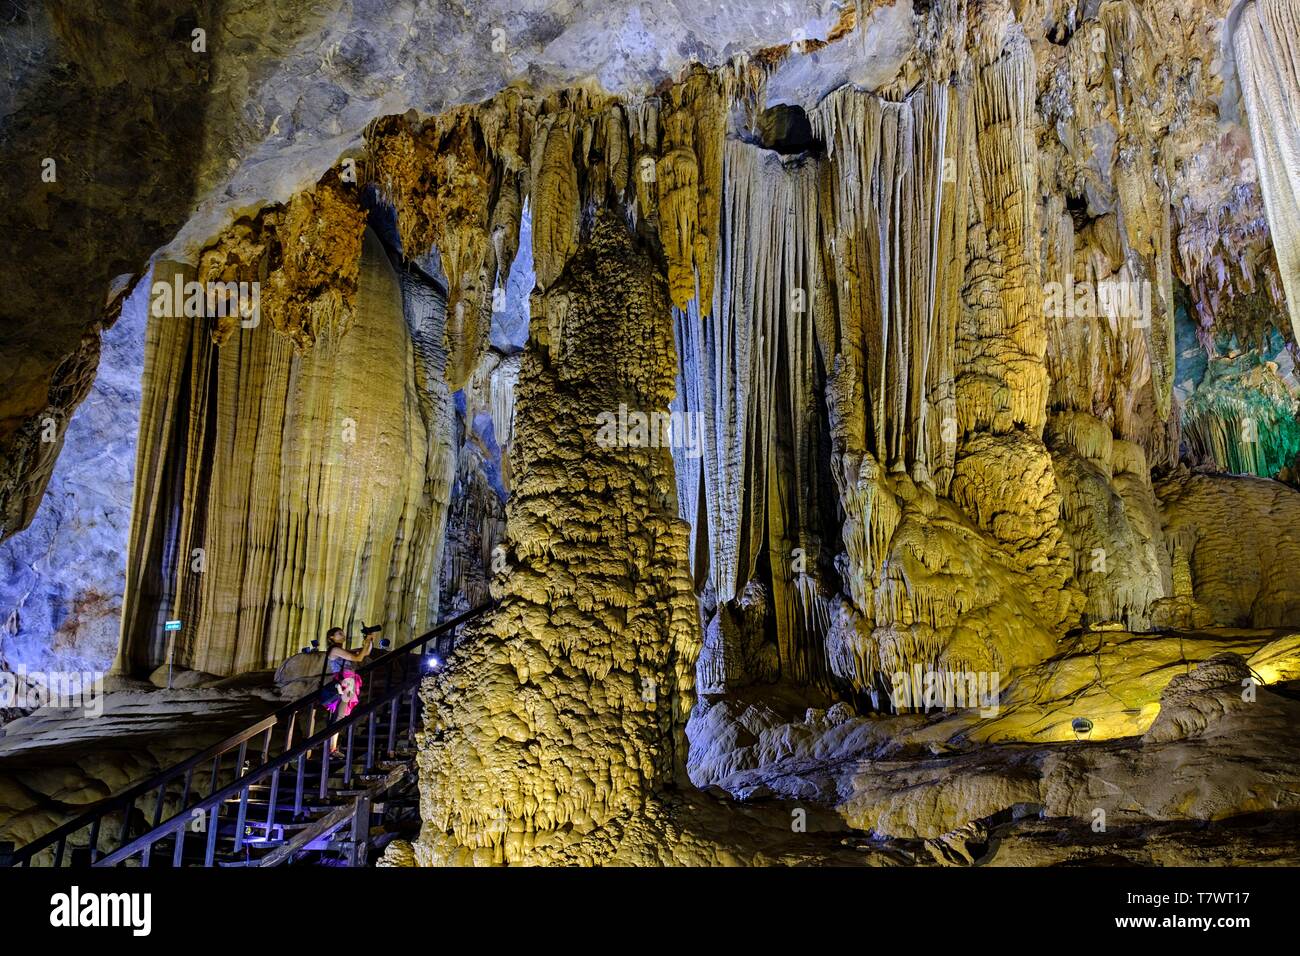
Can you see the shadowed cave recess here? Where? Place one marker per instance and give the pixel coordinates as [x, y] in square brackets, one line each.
[874, 428]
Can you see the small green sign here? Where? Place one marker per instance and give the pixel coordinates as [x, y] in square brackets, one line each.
[172, 626]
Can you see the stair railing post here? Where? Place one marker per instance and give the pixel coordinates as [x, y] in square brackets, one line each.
[347, 762]
[324, 768]
[94, 839]
[241, 819]
[211, 850]
[370, 742]
[360, 831]
[127, 809]
[270, 809]
[297, 793]
[178, 851]
[157, 819]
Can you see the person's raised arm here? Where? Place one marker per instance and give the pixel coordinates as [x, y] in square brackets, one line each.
[354, 656]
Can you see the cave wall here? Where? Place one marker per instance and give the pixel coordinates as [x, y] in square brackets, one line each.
[62, 579]
[925, 329]
[101, 118]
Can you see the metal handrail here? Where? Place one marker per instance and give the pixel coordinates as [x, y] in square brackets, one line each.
[161, 781]
[178, 824]
[388, 657]
[164, 778]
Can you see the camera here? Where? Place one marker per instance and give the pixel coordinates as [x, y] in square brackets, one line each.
[373, 629]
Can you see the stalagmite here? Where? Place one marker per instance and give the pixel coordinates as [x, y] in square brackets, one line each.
[561, 720]
[555, 200]
[1109, 515]
[475, 531]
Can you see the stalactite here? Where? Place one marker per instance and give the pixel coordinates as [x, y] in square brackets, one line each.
[937, 382]
[312, 283]
[304, 255]
[505, 377]
[425, 310]
[1267, 47]
[752, 362]
[689, 173]
[1141, 173]
[449, 192]
[1242, 418]
[555, 199]
[729, 372]
[1007, 342]
[644, 130]
[688, 464]
[887, 201]
[793, 500]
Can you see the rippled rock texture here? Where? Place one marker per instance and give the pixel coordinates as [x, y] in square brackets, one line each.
[765, 366]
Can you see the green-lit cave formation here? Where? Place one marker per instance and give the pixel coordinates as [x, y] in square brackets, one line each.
[881, 415]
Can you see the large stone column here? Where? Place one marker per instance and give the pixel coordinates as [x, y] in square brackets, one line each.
[555, 727]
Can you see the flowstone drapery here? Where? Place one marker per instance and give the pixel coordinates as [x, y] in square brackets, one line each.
[281, 491]
[1267, 47]
[917, 349]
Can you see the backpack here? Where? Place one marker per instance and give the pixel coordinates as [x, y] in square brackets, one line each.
[329, 690]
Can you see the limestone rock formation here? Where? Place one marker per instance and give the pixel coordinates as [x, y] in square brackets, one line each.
[1268, 61]
[888, 410]
[554, 726]
[62, 580]
[1231, 541]
[340, 518]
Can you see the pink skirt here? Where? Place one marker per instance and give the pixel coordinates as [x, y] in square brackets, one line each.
[348, 705]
